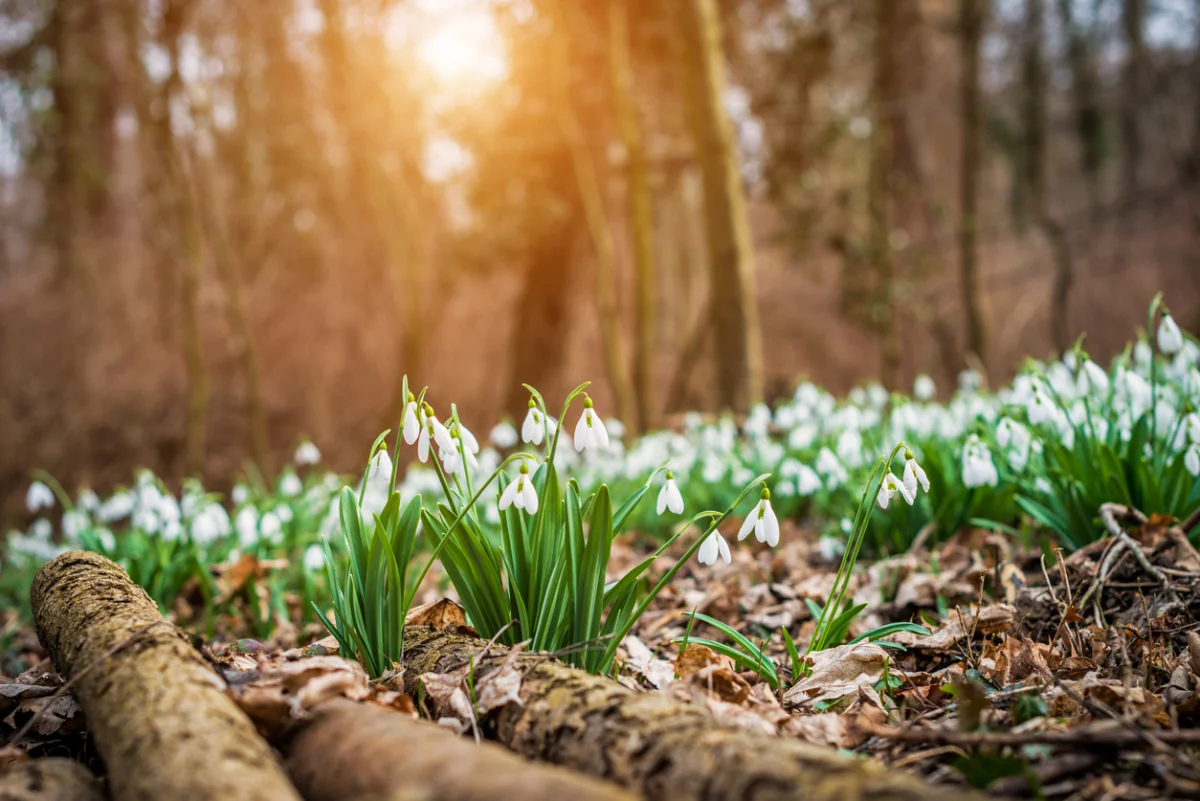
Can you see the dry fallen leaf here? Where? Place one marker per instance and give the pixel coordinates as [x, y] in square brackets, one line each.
[440, 614]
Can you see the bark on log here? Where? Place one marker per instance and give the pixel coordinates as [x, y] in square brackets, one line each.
[353, 752]
[48, 779]
[650, 743]
[157, 710]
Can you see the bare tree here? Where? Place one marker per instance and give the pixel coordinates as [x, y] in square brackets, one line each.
[972, 17]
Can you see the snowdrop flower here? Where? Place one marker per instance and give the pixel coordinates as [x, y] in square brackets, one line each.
[504, 435]
[73, 524]
[830, 547]
[762, 521]
[669, 497]
[451, 457]
[412, 421]
[615, 428]
[1015, 438]
[440, 434]
[1191, 460]
[1170, 338]
[913, 475]
[117, 507]
[245, 523]
[1092, 377]
[38, 497]
[923, 388]
[978, 468]
[290, 485]
[306, 454]
[807, 481]
[469, 443]
[520, 493]
[533, 430]
[240, 494]
[211, 524]
[314, 558]
[713, 546]
[41, 529]
[590, 431]
[271, 527]
[888, 489]
[89, 501]
[1040, 410]
[381, 464]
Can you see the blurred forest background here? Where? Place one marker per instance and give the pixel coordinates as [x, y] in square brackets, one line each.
[228, 224]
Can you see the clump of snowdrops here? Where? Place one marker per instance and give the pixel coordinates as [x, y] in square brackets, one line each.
[526, 551]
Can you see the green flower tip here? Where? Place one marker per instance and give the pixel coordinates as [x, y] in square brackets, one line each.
[670, 475]
[532, 403]
[908, 454]
[525, 467]
[765, 494]
[587, 401]
[412, 398]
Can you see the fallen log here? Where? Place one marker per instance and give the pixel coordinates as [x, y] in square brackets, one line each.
[157, 710]
[352, 751]
[647, 742]
[48, 779]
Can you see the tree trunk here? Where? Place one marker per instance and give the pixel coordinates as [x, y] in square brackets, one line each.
[737, 335]
[591, 195]
[48, 779]
[971, 34]
[349, 751]
[539, 339]
[879, 189]
[647, 742]
[1133, 92]
[1085, 90]
[155, 707]
[1031, 179]
[641, 221]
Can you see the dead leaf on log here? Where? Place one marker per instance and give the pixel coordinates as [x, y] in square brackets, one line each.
[440, 614]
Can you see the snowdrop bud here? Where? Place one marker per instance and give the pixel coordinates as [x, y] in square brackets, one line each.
[411, 426]
[1191, 460]
[669, 496]
[504, 435]
[1170, 338]
[290, 485]
[314, 558]
[38, 497]
[923, 388]
[714, 546]
[306, 454]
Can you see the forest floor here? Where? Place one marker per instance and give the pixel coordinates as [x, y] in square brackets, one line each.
[1066, 677]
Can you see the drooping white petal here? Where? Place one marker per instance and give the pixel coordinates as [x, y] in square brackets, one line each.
[770, 526]
[709, 549]
[583, 434]
[530, 426]
[922, 479]
[451, 461]
[724, 547]
[412, 422]
[441, 435]
[661, 506]
[1170, 338]
[468, 439]
[910, 478]
[529, 495]
[423, 443]
[674, 497]
[599, 431]
[883, 496]
[1191, 460]
[748, 523]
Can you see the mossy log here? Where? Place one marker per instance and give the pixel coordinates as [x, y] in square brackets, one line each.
[649, 743]
[48, 779]
[155, 707]
[353, 752]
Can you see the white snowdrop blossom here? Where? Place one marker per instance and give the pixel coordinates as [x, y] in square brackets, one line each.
[762, 521]
[89, 501]
[888, 489]
[1170, 338]
[240, 494]
[210, 525]
[923, 388]
[807, 481]
[314, 558]
[504, 435]
[520, 493]
[714, 546]
[590, 432]
[533, 430]
[1191, 460]
[381, 464]
[978, 469]
[411, 427]
[245, 523]
[1092, 377]
[914, 475]
[38, 497]
[290, 485]
[271, 527]
[306, 454]
[669, 496]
